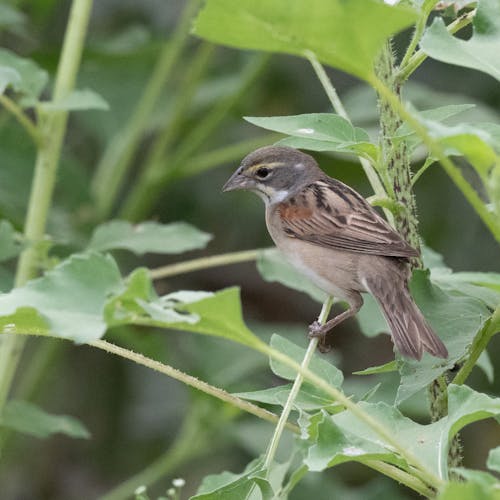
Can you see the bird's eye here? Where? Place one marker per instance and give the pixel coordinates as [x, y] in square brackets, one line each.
[262, 172]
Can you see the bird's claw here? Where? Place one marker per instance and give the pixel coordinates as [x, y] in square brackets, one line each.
[316, 331]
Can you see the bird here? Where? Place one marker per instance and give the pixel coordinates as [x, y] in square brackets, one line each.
[334, 237]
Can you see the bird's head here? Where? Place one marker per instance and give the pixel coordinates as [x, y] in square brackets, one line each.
[274, 173]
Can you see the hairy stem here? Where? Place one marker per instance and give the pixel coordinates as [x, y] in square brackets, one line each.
[204, 263]
[52, 128]
[287, 408]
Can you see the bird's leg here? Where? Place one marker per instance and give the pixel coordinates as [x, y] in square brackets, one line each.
[317, 330]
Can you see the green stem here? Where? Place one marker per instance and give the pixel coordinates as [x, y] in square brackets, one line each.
[436, 150]
[204, 263]
[402, 477]
[188, 380]
[418, 31]
[145, 194]
[52, 127]
[420, 56]
[23, 120]
[227, 154]
[479, 344]
[115, 163]
[330, 91]
[287, 408]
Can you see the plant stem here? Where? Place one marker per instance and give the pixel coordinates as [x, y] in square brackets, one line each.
[145, 194]
[188, 380]
[204, 263]
[23, 120]
[116, 160]
[479, 344]
[52, 128]
[287, 408]
[395, 159]
[420, 56]
[436, 150]
[401, 476]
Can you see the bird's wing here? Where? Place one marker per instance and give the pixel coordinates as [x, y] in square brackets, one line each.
[330, 214]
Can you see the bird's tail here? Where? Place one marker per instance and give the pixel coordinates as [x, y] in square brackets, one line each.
[410, 331]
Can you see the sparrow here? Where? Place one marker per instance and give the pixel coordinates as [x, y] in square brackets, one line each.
[333, 236]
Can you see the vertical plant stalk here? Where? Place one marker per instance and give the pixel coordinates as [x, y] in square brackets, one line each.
[278, 431]
[52, 128]
[395, 160]
[115, 163]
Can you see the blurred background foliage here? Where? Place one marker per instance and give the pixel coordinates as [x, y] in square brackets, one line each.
[173, 134]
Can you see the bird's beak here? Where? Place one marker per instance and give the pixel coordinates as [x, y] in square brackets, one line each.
[236, 181]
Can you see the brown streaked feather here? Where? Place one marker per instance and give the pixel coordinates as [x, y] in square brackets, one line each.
[346, 221]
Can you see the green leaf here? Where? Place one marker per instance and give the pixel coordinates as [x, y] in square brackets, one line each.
[308, 399]
[324, 27]
[344, 436]
[8, 77]
[479, 52]
[319, 132]
[32, 79]
[465, 491]
[493, 462]
[318, 365]
[485, 364]
[9, 241]
[217, 314]
[77, 100]
[273, 267]
[230, 486]
[480, 477]
[29, 419]
[391, 366]
[455, 317]
[152, 237]
[67, 301]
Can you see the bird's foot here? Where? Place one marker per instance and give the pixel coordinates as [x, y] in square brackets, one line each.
[316, 330]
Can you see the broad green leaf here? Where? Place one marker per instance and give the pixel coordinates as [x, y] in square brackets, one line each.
[427, 442]
[67, 301]
[324, 27]
[493, 462]
[455, 317]
[9, 241]
[334, 445]
[391, 366]
[480, 477]
[8, 77]
[10, 17]
[466, 491]
[273, 266]
[217, 314]
[485, 364]
[77, 100]
[230, 486]
[32, 79]
[27, 418]
[318, 365]
[479, 52]
[308, 399]
[319, 132]
[147, 237]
